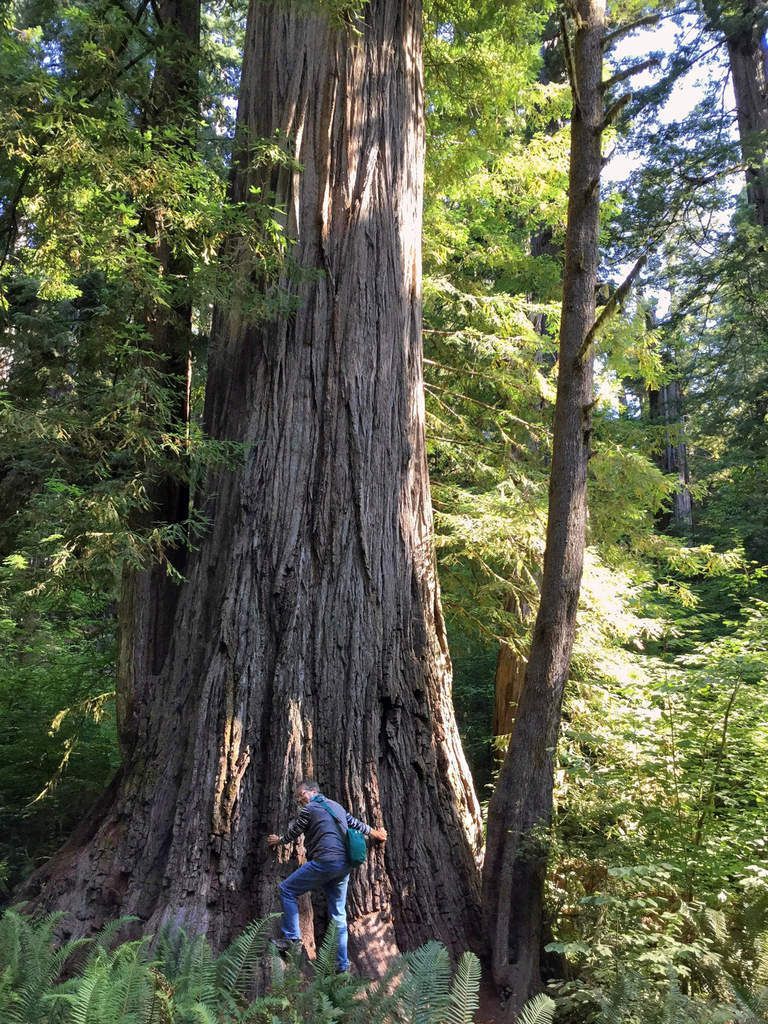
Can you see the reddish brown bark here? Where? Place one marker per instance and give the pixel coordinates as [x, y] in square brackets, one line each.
[510, 673]
[308, 638]
[520, 810]
[509, 678]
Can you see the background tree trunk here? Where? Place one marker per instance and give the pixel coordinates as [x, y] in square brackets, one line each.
[510, 674]
[308, 637]
[744, 28]
[148, 597]
[747, 57]
[665, 405]
[520, 810]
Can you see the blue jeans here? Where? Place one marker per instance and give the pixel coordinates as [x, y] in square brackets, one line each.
[333, 878]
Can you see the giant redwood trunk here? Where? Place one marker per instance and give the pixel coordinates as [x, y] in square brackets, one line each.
[520, 809]
[308, 638]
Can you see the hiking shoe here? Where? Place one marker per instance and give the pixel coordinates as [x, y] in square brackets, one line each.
[284, 945]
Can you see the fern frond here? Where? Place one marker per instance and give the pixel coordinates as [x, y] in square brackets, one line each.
[539, 1010]
[104, 938]
[464, 999]
[132, 985]
[197, 1013]
[426, 990]
[623, 993]
[381, 1000]
[761, 959]
[34, 964]
[753, 1004]
[263, 1008]
[85, 996]
[716, 925]
[196, 980]
[325, 961]
[237, 966]
[171, 947]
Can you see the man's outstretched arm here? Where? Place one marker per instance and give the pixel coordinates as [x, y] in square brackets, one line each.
[367, 830]
[294, 830]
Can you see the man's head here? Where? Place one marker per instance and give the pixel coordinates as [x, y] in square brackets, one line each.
[305, 790]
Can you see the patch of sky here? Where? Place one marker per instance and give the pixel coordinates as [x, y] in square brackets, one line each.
[668, 38]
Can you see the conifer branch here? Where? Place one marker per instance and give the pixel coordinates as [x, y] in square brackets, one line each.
[614, 110]
[707, 179]
[158, 17]
[622, 30]
[134, 19]
[612, 306]
[635, 69]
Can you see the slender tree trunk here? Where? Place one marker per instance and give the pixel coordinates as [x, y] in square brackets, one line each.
[510, 663]
[521, 807]
[308, 637]
[148, 597]
[510, 673]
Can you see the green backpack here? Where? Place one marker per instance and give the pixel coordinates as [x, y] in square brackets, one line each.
[357, 848]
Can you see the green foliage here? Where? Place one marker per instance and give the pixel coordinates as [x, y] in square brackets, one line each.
[659, 868]
[428, 987]
[96, 194]
[178, 980]
[57, 730]
[238, 966]
[30, 964]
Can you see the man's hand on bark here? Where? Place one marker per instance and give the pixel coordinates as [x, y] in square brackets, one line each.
[273, 840]
[379, 833]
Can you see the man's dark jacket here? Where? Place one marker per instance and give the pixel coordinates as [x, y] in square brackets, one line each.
[323, 834]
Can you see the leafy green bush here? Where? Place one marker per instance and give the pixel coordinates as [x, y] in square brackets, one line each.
[58, 744]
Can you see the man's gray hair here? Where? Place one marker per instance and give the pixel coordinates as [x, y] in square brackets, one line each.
[310, 785]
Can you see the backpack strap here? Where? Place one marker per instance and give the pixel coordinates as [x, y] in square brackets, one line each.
[337, 823]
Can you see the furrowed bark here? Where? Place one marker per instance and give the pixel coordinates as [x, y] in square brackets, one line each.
[508, 685]
[521, 807]
[308, 638]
